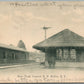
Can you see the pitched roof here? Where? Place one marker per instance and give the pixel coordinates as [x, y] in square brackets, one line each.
[12, 47]
[65, 38]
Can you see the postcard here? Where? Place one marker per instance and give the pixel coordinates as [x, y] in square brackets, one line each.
[41, 41]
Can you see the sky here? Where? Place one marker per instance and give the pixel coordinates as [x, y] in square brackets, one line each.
[26, 20]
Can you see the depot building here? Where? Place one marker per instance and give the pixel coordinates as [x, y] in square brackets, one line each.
[63, 46]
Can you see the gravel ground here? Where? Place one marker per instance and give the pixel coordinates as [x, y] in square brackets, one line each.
[63, 72]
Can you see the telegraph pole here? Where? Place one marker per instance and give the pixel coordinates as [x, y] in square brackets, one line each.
[45, 29]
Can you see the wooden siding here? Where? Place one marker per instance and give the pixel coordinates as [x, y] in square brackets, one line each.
[8, 55]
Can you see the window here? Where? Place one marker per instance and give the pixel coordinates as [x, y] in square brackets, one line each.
[65, 53]
[4, 55]
[13, 56]
[59, 53]
[73, 54]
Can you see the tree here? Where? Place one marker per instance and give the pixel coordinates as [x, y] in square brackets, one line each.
[21, 45]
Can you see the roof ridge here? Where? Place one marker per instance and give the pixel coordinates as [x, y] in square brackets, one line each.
[11, 47]
[64, 38]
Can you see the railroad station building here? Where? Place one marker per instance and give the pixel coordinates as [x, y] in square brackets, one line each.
[12, 54]
[63, 46]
